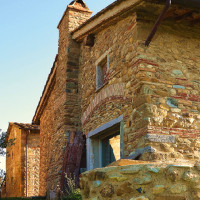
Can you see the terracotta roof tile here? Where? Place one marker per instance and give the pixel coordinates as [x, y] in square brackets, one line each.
[27, 126]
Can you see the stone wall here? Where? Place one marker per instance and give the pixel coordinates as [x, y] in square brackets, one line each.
[142, 181]
[61, 113]
[155, 89]
[167, 73]
[67, 118]
[33, 163]
[14, 179]
[22, 161]
[159, 85]
[46, 134]
[111, 101]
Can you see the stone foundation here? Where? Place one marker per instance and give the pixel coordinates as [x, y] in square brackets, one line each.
[140, 180]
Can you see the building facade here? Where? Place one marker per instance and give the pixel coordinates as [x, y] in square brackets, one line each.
[58, 111]
[146, 96]
[22, 160]
[128, 99]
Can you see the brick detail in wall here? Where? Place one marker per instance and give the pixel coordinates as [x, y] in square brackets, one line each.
[183, 133]
[103, 102]
[115, 91]
[145, 61]
[189, 97]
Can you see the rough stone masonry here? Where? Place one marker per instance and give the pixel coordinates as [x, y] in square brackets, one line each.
[105, 82]
[22, 160]
[155, 89]
[58, 110]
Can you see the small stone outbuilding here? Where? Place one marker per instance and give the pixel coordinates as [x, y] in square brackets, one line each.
[22, 160]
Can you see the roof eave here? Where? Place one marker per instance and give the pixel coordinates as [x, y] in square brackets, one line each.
[45, 91]
[93, 22]
[114, 9]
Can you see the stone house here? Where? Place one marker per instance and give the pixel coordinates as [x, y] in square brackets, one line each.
[146, 95]
[22, 160]
[131, 100]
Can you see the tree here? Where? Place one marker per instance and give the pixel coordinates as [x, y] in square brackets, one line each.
[2, 152]
[3, 144]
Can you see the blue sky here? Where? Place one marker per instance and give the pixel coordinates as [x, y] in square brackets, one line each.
[28, 45]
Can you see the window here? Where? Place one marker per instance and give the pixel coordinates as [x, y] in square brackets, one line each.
[110, 149]
[106, 147]
[105, 144]
[12, 180]
[102, 69]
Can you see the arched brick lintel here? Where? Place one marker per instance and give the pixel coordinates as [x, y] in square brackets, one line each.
[109, 93]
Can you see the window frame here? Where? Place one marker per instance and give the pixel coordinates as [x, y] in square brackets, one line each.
[94, 142]
[99, 69]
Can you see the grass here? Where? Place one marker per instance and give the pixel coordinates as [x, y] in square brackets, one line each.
[76, 195]
[21, 198]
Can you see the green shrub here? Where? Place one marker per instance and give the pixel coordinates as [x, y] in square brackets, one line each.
[71, 192]
[73, 196]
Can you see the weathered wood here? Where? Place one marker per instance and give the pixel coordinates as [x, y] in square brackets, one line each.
[72, 159]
